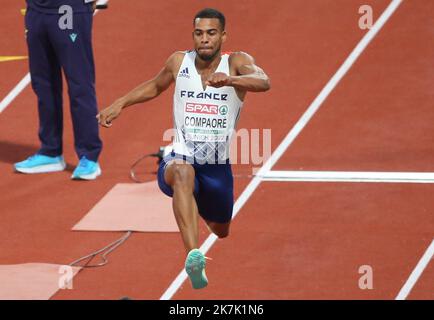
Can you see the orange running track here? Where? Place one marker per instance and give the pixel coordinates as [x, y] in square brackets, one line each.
[292, 240]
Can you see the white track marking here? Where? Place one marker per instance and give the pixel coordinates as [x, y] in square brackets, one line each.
[344, 176]
[25, 81]
[182, 276]
[15, 92]
[417, 272]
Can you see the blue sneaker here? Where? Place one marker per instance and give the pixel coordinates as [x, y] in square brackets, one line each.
[86, 170]
[39, 163]
[195, 268]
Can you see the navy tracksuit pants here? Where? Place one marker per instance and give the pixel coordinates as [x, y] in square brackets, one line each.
[52, 49]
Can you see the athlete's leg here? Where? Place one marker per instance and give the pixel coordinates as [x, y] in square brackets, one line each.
[216, 200]
[221, 230]
[180, 176]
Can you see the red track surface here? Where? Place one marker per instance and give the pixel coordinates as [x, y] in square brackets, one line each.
[12, 44]
[291, 240]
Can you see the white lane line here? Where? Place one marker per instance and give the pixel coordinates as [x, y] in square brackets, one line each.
[347, 176]
[182, 276]
[417, 272]
[26, 80]
[15, 92]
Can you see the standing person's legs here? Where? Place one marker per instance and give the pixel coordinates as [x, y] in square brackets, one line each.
[74, 50]
[46, 82]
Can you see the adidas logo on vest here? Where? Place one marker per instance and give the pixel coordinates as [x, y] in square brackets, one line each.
[184, 73]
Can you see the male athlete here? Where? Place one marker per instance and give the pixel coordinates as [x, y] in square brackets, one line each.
[210, 87]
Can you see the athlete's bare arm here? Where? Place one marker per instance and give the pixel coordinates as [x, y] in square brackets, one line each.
[144, 92]
[245, 75]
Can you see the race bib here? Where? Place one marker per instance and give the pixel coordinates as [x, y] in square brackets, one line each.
[206, 122]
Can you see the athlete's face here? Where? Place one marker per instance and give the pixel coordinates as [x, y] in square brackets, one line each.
[208, 37]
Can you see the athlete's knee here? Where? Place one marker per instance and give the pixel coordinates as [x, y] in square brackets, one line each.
[221, 234]
[220, 230]
[183, 175]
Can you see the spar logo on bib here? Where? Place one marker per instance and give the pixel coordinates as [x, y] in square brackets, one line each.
[223, 110]
[201, 108]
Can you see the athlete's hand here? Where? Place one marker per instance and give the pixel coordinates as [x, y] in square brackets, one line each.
[106, 116]
[218, 80]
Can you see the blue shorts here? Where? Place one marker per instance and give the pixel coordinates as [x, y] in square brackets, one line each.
[213, 188]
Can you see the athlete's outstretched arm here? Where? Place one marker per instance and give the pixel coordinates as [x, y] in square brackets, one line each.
[249, 76]
[144, 92]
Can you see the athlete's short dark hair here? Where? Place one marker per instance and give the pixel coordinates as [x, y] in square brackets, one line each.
[209, 13]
